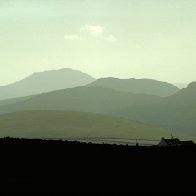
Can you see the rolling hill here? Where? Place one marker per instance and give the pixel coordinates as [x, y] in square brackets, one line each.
[63, 124]
[88, 99]
[45, 82]
[146, 86]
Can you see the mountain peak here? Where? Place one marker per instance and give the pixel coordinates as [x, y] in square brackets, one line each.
[46, 81]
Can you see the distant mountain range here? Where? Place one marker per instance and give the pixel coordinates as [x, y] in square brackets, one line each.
[52, 80]
[45, 82]
[144, 100]
[146, 86]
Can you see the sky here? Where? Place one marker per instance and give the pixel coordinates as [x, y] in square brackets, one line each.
[120, 38]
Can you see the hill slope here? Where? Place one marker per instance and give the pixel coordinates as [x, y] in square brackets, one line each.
[186, 96]
[146, 86]
[177, 112]
[45, 82]
[52, 124]
[88, 99]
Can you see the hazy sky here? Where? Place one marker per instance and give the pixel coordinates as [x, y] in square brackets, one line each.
[121, 38]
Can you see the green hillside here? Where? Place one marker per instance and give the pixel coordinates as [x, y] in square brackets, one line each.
[74, 124]
[147, 86]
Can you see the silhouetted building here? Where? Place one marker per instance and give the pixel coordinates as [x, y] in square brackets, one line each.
[175, 142]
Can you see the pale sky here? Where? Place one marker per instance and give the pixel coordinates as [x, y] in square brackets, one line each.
[120, 38]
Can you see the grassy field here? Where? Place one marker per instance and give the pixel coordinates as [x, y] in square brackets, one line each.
[64, 124]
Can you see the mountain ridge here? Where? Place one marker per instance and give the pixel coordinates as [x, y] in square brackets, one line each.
[147, 86]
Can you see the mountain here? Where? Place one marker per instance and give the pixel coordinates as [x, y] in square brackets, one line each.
[63, 124]
[45, 82]
[177, 112]
[88, 99]
[146, 86]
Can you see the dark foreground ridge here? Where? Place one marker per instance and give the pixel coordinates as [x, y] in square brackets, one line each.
[60, 166]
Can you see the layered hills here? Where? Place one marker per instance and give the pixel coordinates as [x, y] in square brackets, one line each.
[148, 101]
[177, 112]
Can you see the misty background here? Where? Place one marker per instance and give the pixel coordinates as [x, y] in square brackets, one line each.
[122, 38]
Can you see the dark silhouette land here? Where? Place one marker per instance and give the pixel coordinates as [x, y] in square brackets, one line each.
[57, 166]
